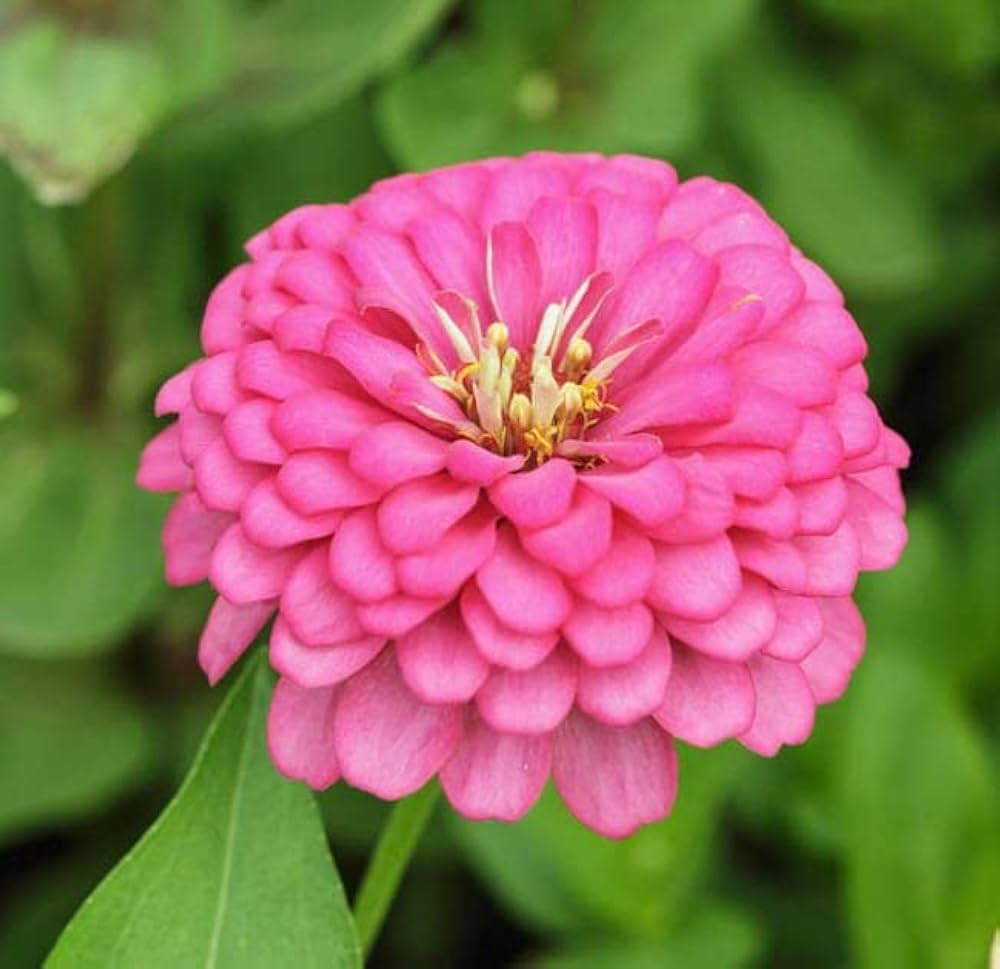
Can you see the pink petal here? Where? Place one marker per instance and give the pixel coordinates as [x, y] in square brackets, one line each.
[264, 369]
[214, 389]
[829, 666]
[245, 572]
[650, 494]
[780, 562]
[624, 694]
[695, 581]
[625, 573]
[500, 645]
[300, 733]
[453, 251]
[268, 521]
[707, 700]
[415, 516]
[817, 451]
[324, 419]
[396, 452]
[565, 232]
[317, 611]
[799, 628]
[496, 775]
[439, 661]
[397, 615]
[161, 467]
[739, 633]
[577, 542]
[190, 534]
[359, 562]
[615, 779]
[536, 498]
[747, 226]
[608, 637]
[857, 422]
[777, 518]
[247, 429]
[630, 451]
[514, 189]
[514, 277]
[222, 324]
[230, 629]
[785, 707]
[387, 741]
[801, 374]
[879, 528]
[766, 273]
[699, 201]
[708, 504]
[526, 595]
[822, 505]
[223, 481]
[626, 229]
[197, 432]
[827, 327]
[303, 327]
[832, 561]
[316, 277]
[319, 665]
[818, 284]
[314, 482]
[753, 472]
[531, 701]
[475, 465]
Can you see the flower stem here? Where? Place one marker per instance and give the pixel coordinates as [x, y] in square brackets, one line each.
[388, 864]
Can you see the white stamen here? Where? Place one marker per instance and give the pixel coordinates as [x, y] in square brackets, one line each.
[458, 339]
[544, 392]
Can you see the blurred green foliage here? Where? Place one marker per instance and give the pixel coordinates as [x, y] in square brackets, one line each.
[871, 130]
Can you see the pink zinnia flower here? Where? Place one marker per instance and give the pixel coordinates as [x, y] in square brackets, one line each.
[538, 464]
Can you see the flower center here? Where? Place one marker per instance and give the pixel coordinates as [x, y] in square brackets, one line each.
[518, 403]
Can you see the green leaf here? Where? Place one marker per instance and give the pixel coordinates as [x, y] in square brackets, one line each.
[296, 58]
[79, 546]
[554, 873]
[70, 741]
[235, 872]
[74, 104]
[844, 199]
[919, 805]
[601, 76]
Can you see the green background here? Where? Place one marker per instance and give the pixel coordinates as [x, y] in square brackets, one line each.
[170, 131]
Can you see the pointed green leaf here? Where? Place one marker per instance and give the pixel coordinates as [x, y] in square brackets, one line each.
[236, 872]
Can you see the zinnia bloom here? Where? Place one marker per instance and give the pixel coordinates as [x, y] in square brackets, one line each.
[537, 464]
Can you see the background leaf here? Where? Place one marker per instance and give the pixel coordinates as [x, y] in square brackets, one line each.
[235, 872]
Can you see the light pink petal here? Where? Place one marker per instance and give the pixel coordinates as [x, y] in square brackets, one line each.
[214, 389]
[708, 504]
[707, 700]
[222, 324]
[565, 232]
[747, 226]
[471, 463]
[766, 273]
[626, 229]
[269, 521]
[739, 633]
[513, 190]
[197, 431]
[222, 480]
[317, 611]
[324, 419]
[730, 320]
[459, 186]
[175, 394]
[829, 666]
[303, 327]
[443, 569]
[247, 429]
[753, 472]
[395, 202]
[452, 251]
[396, 452]
[818, 284]
[496, 775]
[314, 482]
[300, 733]
[359, 562]
[161, 467]
[817, 451]
[832, 561]
[777, 518]
[780, 562]
[799, 628]
[439, 660]
[630, 451]
[695, 581]
[626, 571]
[396, 615]
[615, 779]
[608, 637]
[857, 421]
[800, 374]
[500, 645]
[190, 533]
[246, 572]
[885, 483]
[387, 741]
[785, 708]
[526, 595]
[531, 701]
[536, 498]
[699, 201]
[880, 530]
[230, 629]
[319, 665]
[822, 505]
[577, 542]
[415, 515]
[827, 327]
[316, 277]
[624, 694]
[264, 369]
[650, 494]
[514, 277]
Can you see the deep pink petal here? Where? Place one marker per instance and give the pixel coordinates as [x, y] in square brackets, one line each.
[626, 571]
[269, 521]
[577, 542]
[785, 708]
[300, 733]
[536, 498]
[498, 643]
[324, 419]
[190, 533]
[799, 629]
[475, 465]
[822, 505]
[695, 581]
[314, 482]
[230, 629]
[222, 480]
[415, 515]
[247, 429]
[359, 562]
[396, 615]
[650, 494]
[565, 232]
[161, 467]
[608, 636]
[319, 613]
[514, 277]
[245, 572]
[879, 528]
[533, 701]
[829, 666]
[708, 508]
[319, 665]
[396, 452]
